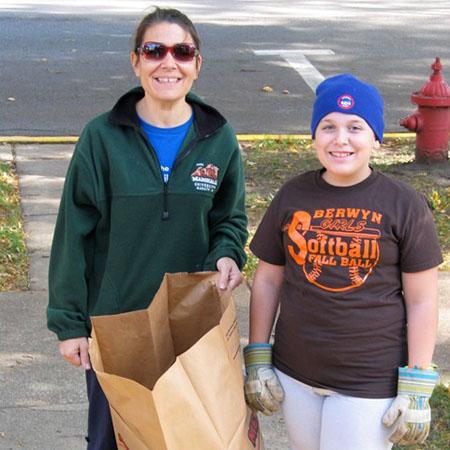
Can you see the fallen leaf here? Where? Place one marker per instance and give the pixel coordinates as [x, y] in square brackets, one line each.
[285, 91]
[267, 89]
[11, 99]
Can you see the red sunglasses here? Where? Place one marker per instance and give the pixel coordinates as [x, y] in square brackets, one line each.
[155, 51]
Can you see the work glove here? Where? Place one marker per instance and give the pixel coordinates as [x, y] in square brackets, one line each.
[410, 413]
[263, 391]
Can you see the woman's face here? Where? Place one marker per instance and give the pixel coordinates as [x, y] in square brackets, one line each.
[167, 80]
[344, 143]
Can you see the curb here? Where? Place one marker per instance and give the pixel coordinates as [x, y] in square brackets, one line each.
[38, 139]
[240, 137]
[261, 137]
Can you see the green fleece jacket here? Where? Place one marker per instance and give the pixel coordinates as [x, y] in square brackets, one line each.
[120, 228]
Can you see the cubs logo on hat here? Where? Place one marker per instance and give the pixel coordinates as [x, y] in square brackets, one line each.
[345, 101]
[346, 94]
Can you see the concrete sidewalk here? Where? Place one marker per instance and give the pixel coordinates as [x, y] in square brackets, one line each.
[42, 399]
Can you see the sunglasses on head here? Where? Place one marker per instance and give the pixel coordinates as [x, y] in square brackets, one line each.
[154, 51]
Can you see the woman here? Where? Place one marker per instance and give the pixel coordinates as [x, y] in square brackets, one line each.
[154, 186]
[351, 257]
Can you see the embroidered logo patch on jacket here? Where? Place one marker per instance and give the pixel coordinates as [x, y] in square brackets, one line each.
[205, 177]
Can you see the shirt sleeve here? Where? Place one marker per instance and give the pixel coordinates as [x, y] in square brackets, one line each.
[70, 254]
[227, 218]
[267, 244]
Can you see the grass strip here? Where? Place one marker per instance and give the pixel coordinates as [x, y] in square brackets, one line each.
[13, 255]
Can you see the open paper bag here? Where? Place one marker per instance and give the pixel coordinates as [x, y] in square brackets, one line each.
[172, 373]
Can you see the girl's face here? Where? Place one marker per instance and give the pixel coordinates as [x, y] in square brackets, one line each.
[168, 80]
[343, 143]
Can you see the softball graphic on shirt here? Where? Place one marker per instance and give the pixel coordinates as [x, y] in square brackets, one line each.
[337, 247]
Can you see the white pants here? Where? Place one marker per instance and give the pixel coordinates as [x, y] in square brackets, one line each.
[319, 419]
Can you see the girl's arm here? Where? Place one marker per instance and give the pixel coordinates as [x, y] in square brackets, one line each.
[264, 301]
[409, 415]
[420, 291]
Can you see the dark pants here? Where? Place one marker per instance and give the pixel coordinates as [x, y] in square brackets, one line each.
[100, 429]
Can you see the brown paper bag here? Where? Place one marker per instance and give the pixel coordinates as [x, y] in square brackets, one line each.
[172, 373]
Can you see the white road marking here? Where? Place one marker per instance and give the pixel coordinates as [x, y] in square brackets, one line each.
[298, 60]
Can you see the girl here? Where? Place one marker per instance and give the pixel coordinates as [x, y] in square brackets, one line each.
[351, 258]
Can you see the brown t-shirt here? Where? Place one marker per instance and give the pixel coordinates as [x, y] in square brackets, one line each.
[342, 322]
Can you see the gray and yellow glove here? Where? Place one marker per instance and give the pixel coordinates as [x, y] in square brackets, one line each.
[410, 414]
[263, 391]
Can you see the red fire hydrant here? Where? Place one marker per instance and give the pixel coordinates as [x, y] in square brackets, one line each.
[431, 120]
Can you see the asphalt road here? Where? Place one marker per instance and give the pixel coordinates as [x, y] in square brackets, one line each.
[61, 64]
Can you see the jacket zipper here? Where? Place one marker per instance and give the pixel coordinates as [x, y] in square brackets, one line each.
[180, 157]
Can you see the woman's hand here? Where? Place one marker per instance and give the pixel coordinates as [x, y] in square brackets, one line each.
[75, 352]
[230, 275]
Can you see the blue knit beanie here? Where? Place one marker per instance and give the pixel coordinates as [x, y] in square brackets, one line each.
[346, 94]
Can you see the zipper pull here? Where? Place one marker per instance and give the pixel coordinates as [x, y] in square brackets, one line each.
[165, 212]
